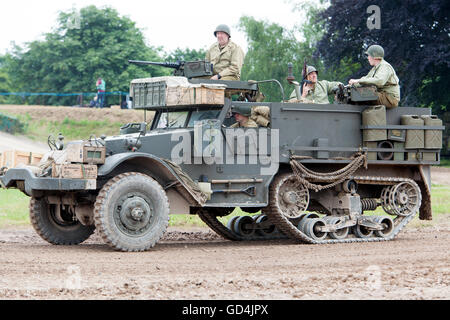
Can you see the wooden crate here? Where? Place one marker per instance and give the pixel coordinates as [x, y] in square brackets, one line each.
[12, 158]
[74, 171]
[187, 96]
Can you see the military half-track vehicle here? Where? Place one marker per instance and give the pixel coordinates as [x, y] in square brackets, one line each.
[315, 171]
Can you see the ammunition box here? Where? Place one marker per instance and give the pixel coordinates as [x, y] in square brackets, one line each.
[414, 156]
[399, 156]
[74, 171]
[397, 135]
[371, 145]
[85, 153]
[429, 156]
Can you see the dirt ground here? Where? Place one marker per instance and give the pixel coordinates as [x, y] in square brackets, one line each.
[197, 264]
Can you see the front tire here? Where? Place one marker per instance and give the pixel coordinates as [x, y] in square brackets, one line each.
[57, 227]
[131, 212]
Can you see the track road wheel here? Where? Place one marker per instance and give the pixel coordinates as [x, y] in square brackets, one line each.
[340, 233]
[131, 212]
[361, 231]
[311, 228]
[57, 225]
[388, 224]
[244, 226]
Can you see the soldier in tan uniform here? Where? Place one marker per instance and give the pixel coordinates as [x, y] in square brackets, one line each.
[383, 76]
[242, 115]
[226, 56]
[317, 91]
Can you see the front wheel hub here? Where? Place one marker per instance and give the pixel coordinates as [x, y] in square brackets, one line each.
[135, 213]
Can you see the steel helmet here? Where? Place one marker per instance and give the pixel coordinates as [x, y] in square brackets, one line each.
[375, 51]
[310, 69]
[243, 110]
[223, 28]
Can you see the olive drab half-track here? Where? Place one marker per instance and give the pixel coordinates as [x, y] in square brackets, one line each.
[308, 172]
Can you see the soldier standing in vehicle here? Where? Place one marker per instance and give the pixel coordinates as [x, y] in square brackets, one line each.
[226, 56]
[316, 91]
[383, 76]
[242, 115]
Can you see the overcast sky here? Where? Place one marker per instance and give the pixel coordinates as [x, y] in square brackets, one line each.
[166, 23]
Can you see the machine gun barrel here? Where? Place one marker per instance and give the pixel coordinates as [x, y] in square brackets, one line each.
[173, 65]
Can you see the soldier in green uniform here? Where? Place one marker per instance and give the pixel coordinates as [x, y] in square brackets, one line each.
[383, 76]
[317, 91]
[242, 115]
[226, 56]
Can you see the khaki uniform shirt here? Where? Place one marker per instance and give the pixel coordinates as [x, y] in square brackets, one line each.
[319, 94]
[249, 124]
[384, 77]
[227, 61]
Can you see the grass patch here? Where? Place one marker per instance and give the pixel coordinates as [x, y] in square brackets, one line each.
[14, 210]
[445, 163]
[39, 130]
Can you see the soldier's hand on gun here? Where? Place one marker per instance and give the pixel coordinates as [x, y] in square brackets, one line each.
[352, 81]
[306, 88]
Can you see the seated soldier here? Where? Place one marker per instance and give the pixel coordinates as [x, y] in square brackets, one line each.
[242, 115]
[383, 76]
[317, 91]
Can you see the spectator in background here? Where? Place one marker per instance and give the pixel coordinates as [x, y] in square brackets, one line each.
[101, 91]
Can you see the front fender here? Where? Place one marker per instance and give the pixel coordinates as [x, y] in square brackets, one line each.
[165, 171]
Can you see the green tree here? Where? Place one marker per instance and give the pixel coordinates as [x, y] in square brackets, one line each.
[186, 55]
[85, 45]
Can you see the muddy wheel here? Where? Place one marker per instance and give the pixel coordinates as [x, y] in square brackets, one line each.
[311, 228]
[131, 212]
[362, 231]
[338, 234]
[291, 197]
[56, 225]
[388, 226]
[243, 226]
[264, 231]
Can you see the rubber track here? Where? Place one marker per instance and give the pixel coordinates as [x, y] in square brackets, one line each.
[292, 232]
[288, 230]
[223, 231]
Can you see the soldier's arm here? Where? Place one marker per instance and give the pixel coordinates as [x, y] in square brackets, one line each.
[379, 79]
[331, 86]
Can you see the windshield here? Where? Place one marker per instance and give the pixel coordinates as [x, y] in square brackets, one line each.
[177, 119]
[199, 115]
[172, 119]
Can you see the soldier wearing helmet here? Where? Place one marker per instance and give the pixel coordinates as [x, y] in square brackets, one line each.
[242, 115]
[383, 76]
[226, 56]
[317, 91]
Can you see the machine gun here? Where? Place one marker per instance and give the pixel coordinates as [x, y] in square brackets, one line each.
[304, 77]
[298, 86]
[188, 69]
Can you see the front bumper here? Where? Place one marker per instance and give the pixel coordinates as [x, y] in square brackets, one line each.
[26, 181]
